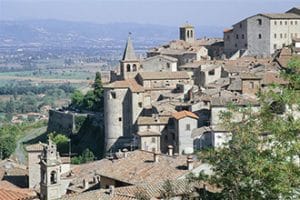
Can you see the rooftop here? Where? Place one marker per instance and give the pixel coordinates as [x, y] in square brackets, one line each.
[138, 167]
[183, 114]
[164, 75]
[128, 83]
[151, 120]
[281, 15]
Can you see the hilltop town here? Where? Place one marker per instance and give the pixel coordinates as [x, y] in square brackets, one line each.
[160, 111]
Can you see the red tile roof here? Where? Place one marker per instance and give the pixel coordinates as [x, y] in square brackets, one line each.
[183, 114]
[11, 192]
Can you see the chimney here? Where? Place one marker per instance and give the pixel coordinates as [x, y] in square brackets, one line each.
[111, 190]
[170, 150]
[85, 184]
[189, 162]
[156, 157]
[125, 151]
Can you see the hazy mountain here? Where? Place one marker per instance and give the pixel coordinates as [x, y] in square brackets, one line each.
[85, 34]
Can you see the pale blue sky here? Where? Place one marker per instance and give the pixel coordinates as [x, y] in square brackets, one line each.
[165, 12]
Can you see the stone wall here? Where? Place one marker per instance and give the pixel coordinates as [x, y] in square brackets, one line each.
[61, 122]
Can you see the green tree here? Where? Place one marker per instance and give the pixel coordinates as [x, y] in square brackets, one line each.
[77, 98]
[61, 141]
[98, 92]
[259, 162]
[89, 100]
[87, 156]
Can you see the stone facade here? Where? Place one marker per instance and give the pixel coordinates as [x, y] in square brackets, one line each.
[159, 63]
[261, 34]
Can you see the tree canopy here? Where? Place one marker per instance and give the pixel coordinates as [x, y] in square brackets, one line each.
[261, 161]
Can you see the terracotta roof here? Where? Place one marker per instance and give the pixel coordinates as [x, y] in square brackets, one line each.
[138, 167]
[227, 30]
[35, 147]
[164, 75]
[147, 120]
[11, 192]
[249, 76]
[172, 59]
[90, 195]
[128, 83]
[183, 114]
[273, 77]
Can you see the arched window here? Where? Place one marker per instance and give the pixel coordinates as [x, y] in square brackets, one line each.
[134, 67]
[128, 68]
[192, 33]
[53, 177]
[188, 34]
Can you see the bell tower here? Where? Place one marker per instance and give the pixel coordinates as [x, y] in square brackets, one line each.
[50, 172]
[187, 33]
[130, 64]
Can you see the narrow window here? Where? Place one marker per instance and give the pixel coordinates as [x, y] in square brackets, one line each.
[153, 140]
[53, 177]
[211, 72]
[296, 22]
[192, 33]
[285, 22]
[291, 22]
[275, 46]
[243, 36]
[128, 68]
[280, 22]
[259, 21]
[275, 22]
[259, 36]
[237, 36]
[113, 95]
[188, 127]
[134, 67]
[280, 35]
[275, 35]
[241, 25]
[251, 85]
[120, 119]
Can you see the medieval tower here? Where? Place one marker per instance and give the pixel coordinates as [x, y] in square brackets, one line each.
[187, 33]
[130, 64]
[50, 173]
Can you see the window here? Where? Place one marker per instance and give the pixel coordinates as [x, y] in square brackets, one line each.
[280, 35]
[245, 45]
[275, 22]
[191, 33]
[296, 22]
[188, 34]
[153, 139]
[53, 177]
[291, 22]
[275, 35]
[235, 44]
[168, 65]
[285, 35]
[259, 21]
[252, 85]
[285, 22]
[228, 37]
[128, 68]
[211, 72]
[188, 127]
[148, 127]
[243, 37]
[259, 36]
[140, 104]
[237, 36]
[120, 119]
[134, 67]
[280, 22]
[113, 95]
[275, 46]
[241, 25]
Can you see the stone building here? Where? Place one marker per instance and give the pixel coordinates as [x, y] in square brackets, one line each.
[50, 187]
[262, 34]
[184, 123]
[34, 170]
[159, 63]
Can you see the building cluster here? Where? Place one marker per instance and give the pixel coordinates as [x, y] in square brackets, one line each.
[160, 110]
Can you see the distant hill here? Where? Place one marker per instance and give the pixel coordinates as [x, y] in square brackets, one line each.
[85, 34]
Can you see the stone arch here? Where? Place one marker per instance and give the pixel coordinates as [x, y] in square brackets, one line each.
[128, 67]
[134, 67]
[53, 177]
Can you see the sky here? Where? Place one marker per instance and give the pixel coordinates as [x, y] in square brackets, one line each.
[163, 12]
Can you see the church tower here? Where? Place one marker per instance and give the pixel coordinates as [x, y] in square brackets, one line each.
[187, 33]
[130, 64]
[50, 172]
